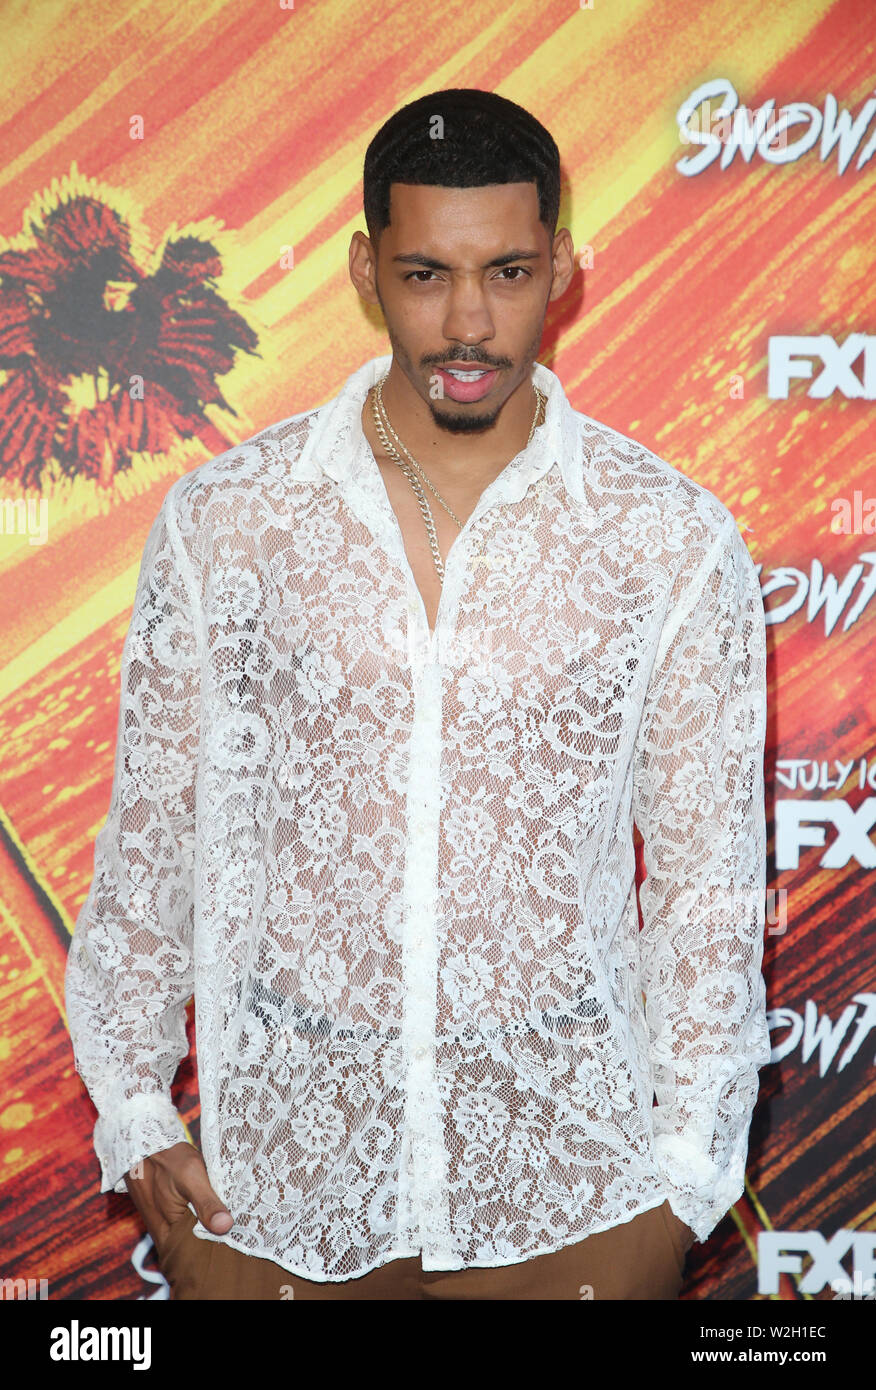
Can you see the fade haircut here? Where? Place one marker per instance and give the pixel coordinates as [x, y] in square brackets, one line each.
[485, 139]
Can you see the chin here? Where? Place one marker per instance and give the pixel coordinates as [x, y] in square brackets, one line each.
[467, 421]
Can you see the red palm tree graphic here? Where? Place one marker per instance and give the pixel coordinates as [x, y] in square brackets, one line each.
[100, 357]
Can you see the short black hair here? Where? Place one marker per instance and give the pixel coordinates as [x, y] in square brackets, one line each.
[483, 139]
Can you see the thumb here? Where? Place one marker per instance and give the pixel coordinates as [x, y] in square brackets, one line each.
[211, 1212]
[219, 1219]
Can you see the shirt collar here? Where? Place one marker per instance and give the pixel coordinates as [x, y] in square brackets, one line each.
[337, 446]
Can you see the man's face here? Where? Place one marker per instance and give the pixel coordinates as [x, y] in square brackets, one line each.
[446, 300]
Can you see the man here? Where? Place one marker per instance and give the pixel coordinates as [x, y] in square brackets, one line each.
[402, 673]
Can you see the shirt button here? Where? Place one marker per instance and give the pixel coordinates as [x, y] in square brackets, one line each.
[420, 1053]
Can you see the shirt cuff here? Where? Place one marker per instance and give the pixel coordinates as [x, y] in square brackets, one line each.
[143, 1125]
[699, 1192]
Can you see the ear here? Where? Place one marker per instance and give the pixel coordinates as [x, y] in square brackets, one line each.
[363, 267]
[563, 253]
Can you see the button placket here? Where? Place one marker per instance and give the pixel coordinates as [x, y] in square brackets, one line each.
[425, 1187]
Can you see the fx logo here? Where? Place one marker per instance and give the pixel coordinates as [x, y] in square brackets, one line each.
[788, 359]
[852, 832]
[774, 1258]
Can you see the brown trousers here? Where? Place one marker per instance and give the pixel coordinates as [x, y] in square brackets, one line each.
[643, 1258]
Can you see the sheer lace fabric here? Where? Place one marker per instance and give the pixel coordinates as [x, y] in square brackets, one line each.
[396, 868]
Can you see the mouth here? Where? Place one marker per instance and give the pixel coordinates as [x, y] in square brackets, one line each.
[467, 381]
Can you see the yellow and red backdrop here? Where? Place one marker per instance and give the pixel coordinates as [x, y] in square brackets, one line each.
[179, 189]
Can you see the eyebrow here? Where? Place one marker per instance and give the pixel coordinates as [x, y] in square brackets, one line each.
[413, 258]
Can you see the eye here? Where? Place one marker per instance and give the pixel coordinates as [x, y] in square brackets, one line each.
[520, 270]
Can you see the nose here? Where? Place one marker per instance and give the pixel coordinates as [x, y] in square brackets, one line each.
[468, 319]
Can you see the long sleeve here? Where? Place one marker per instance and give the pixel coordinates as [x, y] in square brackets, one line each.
[698, 799]
[129, 970]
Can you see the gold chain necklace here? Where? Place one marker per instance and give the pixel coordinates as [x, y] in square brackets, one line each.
[382, 423]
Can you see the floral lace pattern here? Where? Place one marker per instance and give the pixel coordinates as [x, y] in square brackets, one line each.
[396, 868]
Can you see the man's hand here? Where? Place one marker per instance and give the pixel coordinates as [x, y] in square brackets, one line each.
[162, 1186]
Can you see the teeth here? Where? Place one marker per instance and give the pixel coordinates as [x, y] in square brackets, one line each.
[464, 376]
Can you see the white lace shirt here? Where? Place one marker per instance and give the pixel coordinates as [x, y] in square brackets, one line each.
[396, 868]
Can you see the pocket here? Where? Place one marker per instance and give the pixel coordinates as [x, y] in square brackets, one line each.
[190, 1269]
[173, 1234]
